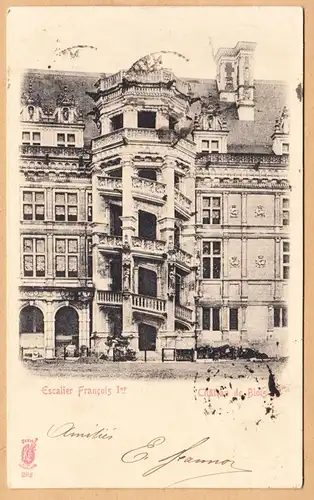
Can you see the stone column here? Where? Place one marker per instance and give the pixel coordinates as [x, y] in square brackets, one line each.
[244, 284]
[277, 270]
[244, 209]
[50, 253]
[168, 219]
[129, 117]
[277, 211]
[49, 335]
[49, 204]
[128, 215]
[82, 205]
[243, 325]
[84, 337]
[224, 210]
[225, 322]
[225, 268]
[270, 325]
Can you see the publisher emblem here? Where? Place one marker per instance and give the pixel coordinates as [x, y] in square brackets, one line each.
[28, 453]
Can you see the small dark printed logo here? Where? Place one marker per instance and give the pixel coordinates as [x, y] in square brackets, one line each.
[28, 453]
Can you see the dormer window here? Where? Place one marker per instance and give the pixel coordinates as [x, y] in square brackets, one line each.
[66, 140]
[210, 146]
[285, 148]
[29, 138]
[146, 119]
[205, 146]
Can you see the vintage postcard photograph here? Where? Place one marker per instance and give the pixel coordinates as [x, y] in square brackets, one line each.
[154, 247]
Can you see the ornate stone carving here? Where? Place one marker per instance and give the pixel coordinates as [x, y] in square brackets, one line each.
[233, 212]
[282, 123]
[171, 280]
[260, 261]
[209, 118]
[260, 211]
[234, 261]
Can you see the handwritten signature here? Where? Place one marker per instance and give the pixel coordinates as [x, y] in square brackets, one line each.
[142, 453]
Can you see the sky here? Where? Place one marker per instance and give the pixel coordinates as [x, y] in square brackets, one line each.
[118, 36]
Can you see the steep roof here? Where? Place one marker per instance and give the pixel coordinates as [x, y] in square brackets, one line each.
[244, 136]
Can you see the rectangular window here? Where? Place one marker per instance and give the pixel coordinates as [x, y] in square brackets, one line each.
[285, 148]
[211, 318]
[66, 207]
[65, 140]
[26, 137]
[71, 140]
[33, 205]
[34, 257]
[211, 210]
[285, 212]
[233, 319]
[66, 251]
[89, 252]
[285, 260]
[146, 119]
[205, 146]
[89, 207]
[211, 259]
[29, 138]
[215, 146]
[280, 317]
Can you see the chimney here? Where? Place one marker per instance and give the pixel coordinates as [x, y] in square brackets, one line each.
[235, 78]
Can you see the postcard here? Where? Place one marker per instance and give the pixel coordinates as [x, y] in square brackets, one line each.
[154, 247]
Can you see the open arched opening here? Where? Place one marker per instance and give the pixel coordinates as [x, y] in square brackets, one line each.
[31, 320]
[147, 337]
[67, 331]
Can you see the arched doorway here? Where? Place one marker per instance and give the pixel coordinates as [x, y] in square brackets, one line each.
[67, 332]
[147, 337]
[31, 331]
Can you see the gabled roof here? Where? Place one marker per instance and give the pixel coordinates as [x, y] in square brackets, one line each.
[244, 136]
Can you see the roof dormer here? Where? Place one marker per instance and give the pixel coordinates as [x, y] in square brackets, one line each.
[66, 111]
[31, 106]
[280, 136]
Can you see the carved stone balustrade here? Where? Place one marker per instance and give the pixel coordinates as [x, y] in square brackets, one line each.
[183, 313]
[182, 202]
[152, 304]
[108, 297]
[183, 257]
[148, 188]
[148, 246]
[109, 183]
[109, 242]
[249, 159]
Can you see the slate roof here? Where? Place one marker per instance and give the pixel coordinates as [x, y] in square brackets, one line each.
[244, 136]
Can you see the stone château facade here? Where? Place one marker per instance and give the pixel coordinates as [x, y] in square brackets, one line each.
[154, 208]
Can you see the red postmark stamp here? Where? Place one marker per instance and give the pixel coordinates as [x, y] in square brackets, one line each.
[28, 453]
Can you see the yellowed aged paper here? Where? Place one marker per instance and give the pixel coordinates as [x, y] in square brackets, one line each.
[154, 207]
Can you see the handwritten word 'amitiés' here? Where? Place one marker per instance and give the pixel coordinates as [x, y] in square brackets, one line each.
[81, 390]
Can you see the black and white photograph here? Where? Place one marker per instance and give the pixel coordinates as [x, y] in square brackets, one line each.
[155, 243]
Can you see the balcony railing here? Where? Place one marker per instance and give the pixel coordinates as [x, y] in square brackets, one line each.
[148, 187]
[110, 183]
[157, 246]
[108, 297]
[29, 150]
[161, 76]
[149, 303]
[140, 135]
[109, 241]
[183, 257]
[249, 159]
[184, 313]
[182, 200]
